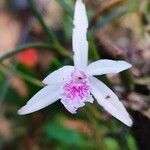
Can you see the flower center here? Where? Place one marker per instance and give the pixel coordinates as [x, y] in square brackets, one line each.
[77, 88]
[76, 91]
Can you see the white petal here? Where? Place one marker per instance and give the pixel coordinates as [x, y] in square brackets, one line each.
[108, 99]
[105, 66]
[43, 98]
[73, 105]
[59, 75]
[80, 44]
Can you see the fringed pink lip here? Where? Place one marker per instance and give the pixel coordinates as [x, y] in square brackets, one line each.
[76, 91]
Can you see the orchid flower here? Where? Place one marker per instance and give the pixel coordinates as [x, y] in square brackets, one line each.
[75, 85]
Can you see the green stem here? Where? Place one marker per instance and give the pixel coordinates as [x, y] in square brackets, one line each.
[93, 49]
[98, 142]
[37, 14]
[22, 48]
[8, 70]
[66, 7]
[62, 51]
[51, 37]
[127, 80]
[31, 45]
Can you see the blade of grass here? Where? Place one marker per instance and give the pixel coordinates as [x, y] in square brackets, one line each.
[30, 45]
[127, 80]
[22, 48]
[37, 14]
[8, 71]
[66, 7]
[51, 37]
[93, 49]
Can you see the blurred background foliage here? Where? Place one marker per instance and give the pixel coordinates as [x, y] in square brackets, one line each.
[35, 39]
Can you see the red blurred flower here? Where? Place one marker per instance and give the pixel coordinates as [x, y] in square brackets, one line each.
[29, 57]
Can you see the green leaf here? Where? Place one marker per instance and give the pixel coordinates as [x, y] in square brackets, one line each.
[93, 53]
[131, 142]
[111, 144]
[127, 80]
[21, 48]
[10, 96]
[57, 132]
[133, 5]
[67, 7]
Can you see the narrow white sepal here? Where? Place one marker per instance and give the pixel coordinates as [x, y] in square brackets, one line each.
[43, 98]
[108, 99]
[59, 75]
[105, 66]
[80, 17]
[79, 41]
